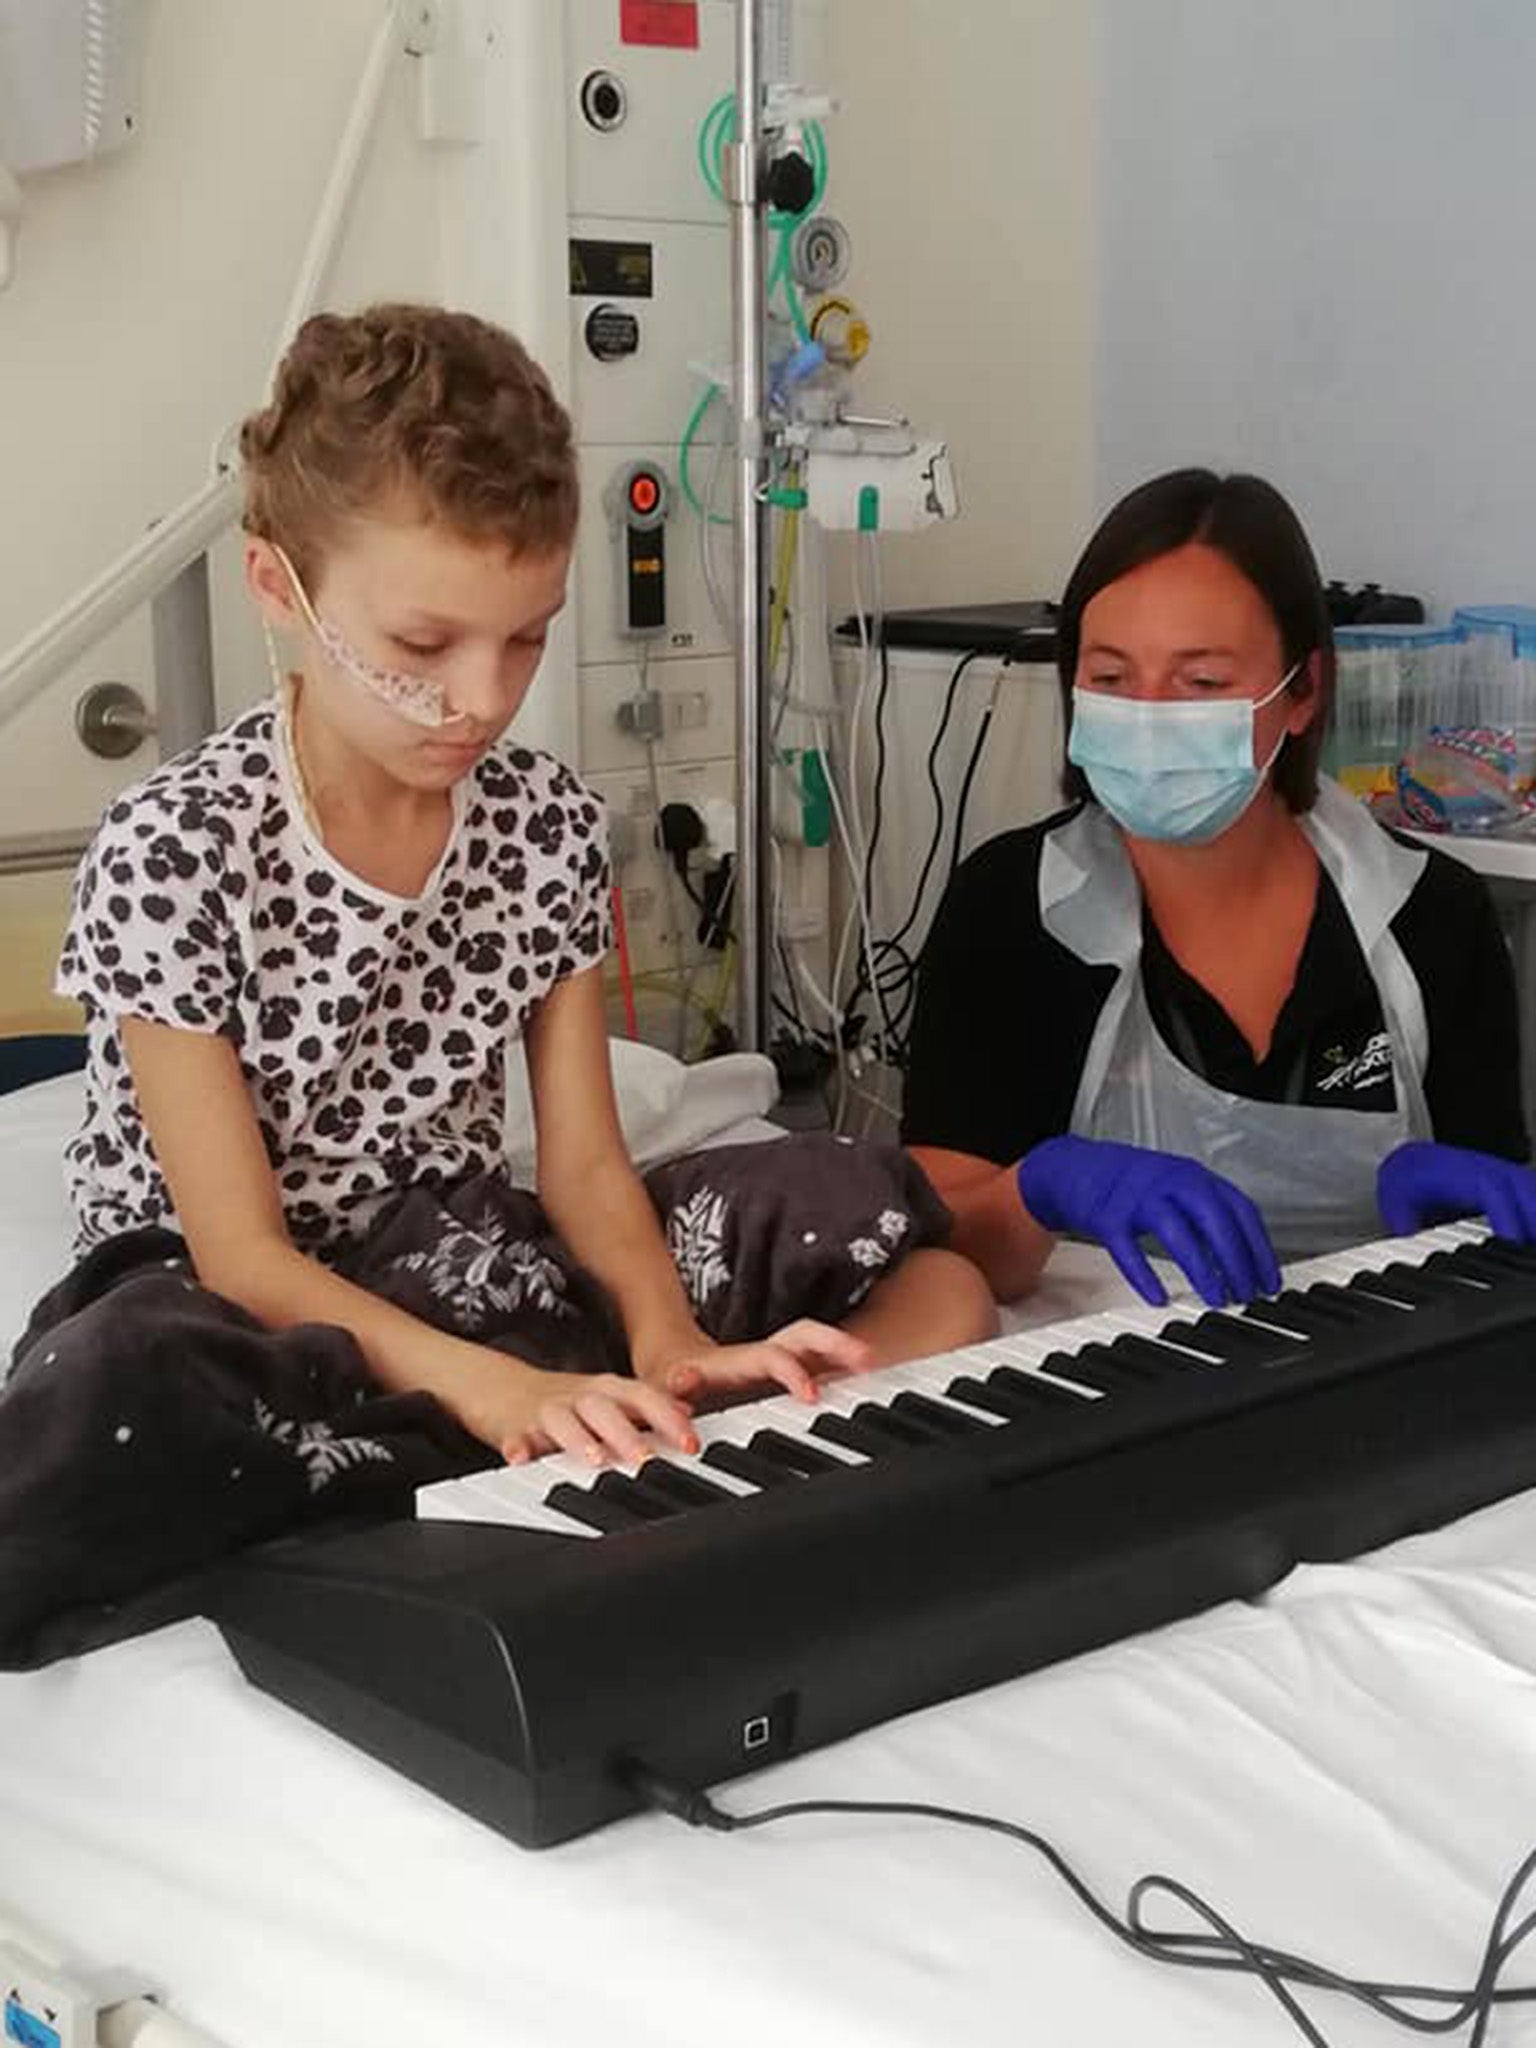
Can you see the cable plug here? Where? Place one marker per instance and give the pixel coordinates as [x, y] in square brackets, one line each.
[666, 1795]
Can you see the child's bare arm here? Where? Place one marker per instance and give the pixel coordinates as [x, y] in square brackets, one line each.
[195, 1105]
[596, 1202]
[992, 1229]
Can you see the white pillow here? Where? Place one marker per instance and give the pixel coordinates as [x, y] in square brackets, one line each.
[36, 1222]
[664, 1107]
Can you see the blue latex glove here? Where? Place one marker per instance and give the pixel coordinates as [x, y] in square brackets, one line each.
[1117, 1194]
[1421, 1183]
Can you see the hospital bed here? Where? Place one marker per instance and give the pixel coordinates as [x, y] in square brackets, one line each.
[1346, 1767]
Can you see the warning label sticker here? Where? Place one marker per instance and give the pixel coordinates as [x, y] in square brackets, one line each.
[670, 24]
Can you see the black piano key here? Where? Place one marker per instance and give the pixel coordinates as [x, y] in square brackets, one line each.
[1156, 1359]
[1237, 1342]
[1512, 1248]
[1094, 1366]
[744, 1464]
[901, 1425]
[1496, 1259]
[1291, 1311]
[1408, 1284]
[595, 1510]
[1030, 1387]
[690, 1489]
[795, 1452]
[645, 1504]
[943, 1420]
[1351, 1305]
[1448, 1265]
[1003, 1401]
[859, 1436]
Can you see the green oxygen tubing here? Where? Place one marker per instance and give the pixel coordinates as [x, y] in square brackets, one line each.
[716, 131]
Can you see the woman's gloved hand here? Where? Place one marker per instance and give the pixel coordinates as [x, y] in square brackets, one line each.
[1421, 1183]
[1117, 1194]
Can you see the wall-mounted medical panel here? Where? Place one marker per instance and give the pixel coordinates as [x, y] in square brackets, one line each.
[636, 109]
[648, 300]
[695, 707]
[691, 624]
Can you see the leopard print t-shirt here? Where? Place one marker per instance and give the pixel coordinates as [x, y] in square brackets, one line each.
[372, 1029]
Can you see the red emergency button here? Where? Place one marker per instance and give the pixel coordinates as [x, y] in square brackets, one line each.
[644, 491]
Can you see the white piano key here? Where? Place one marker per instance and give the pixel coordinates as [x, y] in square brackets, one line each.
[493, 1497]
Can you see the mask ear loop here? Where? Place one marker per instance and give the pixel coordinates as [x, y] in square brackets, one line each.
[1259, 704]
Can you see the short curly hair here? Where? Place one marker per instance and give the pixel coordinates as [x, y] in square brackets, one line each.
[412, 403]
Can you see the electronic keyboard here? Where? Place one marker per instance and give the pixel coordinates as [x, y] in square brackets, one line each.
[540, 1629]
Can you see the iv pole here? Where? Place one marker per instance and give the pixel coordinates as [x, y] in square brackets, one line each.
[744, 182]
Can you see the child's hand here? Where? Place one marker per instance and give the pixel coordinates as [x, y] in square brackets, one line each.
[791, 1358]
[524, 1413]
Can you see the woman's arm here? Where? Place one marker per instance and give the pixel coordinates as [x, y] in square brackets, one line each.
[595, 1200]
[194, 1101]
[993, 1229]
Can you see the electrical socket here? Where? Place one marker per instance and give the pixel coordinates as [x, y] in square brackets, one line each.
[688, 709]
[642, 717]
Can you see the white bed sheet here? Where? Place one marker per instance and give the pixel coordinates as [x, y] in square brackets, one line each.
[1347, 1767]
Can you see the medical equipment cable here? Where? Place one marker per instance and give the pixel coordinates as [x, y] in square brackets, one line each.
[978, 748]
[896, 966]
[1224, 1949]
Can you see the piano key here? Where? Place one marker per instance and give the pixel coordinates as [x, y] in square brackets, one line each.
[500, 1495]
[941, 1416]
[794, 1451]
[870, 1432]
[646, 1504]
[1095, 1366]
[723, 1484]
[1448, 1264]
[688, 1488]
[1498, 1258]
[1351, 1303]
[1406, 1285]
[784, 1413]
[1012, 1404]
[1015, 1381]
[585, 1504]
[1240, 1340]
[740, 1463]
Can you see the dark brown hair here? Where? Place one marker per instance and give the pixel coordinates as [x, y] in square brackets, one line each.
[1247, 521]
[439, 409]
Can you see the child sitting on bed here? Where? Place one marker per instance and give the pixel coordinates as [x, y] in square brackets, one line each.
[303, 949]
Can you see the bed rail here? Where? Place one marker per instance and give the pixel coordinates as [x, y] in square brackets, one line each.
[167, 568]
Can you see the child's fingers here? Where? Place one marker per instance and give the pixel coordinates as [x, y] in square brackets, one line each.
[780, 1363]
[826, 1345]
[614, 1421]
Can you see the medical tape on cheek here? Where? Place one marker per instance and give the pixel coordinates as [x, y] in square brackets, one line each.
[412, 697]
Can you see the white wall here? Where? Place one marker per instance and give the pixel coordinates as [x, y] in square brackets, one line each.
[146, 307]
[962, 164]
[1314, 261]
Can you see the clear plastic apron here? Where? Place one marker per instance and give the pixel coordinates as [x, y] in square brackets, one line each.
[1311, 1171]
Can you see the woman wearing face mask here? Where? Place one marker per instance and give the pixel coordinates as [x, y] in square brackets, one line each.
[1214, 1005]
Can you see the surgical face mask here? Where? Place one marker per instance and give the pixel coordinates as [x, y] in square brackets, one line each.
[416, 698]
[1180, 772]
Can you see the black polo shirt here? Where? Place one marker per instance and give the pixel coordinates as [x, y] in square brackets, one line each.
[1005, 1014]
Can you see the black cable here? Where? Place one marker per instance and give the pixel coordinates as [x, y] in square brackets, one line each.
[878, 800]
[1225, 1948]
[937, 839]
[890, 974]
[977, 750]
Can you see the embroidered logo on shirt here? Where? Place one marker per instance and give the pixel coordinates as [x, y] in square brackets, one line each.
[1369, 1067]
